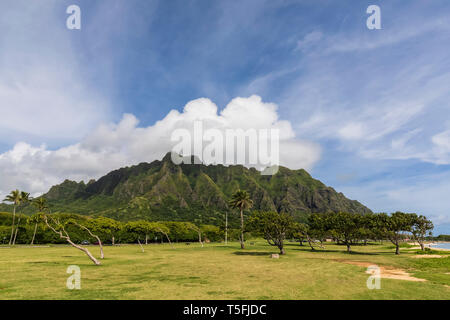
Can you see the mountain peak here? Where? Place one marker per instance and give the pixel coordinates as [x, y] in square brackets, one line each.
[178, 158]
[185, 192]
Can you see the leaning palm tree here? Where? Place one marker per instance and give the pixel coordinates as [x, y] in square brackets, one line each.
[41, 205]
[241, 200]
[24, 199]
[15, 198]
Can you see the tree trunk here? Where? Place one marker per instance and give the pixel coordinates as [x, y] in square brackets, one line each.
[422, 247]
[282, 251]
[96, 237]
[167, 236]
[242, 230]
[397, 251]
[226, 227]
[86, 251]
[67, 238]
[146, 239]
[12, 227]
[34, 234]
[310, 244]
[15, 234]
[200, 237]
[142, 248]
[348, 248]
[112, 240]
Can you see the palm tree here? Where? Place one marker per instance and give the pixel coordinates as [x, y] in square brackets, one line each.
[41, 205]
[15, 198]
[24, 199]
[241, 200]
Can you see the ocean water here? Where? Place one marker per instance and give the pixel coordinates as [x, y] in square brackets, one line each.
[445, 245]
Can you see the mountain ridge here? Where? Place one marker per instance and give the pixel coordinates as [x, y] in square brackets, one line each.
[162, 190]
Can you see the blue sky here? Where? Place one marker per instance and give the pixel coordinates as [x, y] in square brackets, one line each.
[376, 102]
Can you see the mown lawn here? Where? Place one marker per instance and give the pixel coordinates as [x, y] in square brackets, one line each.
[217, 272]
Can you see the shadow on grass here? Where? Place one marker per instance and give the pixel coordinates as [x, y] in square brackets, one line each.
[313, 251]
[318, 250]
[363, 253]
[248, 253]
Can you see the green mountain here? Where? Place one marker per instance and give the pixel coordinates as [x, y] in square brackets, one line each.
[162, 190]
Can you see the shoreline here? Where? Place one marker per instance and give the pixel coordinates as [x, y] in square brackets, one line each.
[430, 245]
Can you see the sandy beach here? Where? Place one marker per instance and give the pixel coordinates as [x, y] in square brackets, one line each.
[429, 245]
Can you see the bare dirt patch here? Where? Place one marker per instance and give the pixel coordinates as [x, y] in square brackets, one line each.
[420, 256]
[385, 272]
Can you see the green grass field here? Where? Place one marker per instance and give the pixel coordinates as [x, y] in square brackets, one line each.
[217, 272]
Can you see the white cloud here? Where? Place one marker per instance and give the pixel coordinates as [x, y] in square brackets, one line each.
[440, 152]
[442, 141]
[376, 106]
[309, 40]
[352, 131]
[347, 44]
[111, 146]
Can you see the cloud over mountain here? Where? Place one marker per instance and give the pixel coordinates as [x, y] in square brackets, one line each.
[114, 145]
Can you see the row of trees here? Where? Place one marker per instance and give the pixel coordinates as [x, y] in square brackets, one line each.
[343, 227]
[60, 225]
[33, 230]
[75, 229]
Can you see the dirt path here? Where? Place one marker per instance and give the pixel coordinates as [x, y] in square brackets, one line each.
[386, 272]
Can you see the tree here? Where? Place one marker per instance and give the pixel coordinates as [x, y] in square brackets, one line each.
[393, 226]
[241, 200]
[140, 229]
[273, 225]
[15, 198]
[193, 227]
[316, 228]
[25, 196]
[212, 233]
[299, 232]
[106, 228]
[24, 199]
[346, 227]
[41, 204]
[57, 227]
[368, 227]
[302, 231]
[17, 230]
[421, 227]
[179, 231]
[74, 222]
[163, 229]
[34, 220]
[226, 227]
